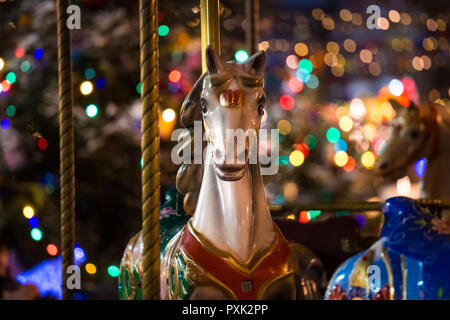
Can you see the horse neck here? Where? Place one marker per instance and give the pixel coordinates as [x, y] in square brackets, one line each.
[233, 215]
[436, 181]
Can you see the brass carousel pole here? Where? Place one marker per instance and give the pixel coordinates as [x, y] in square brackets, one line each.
[210, 27]
[252, 18]
[148, 25]
[66, 145]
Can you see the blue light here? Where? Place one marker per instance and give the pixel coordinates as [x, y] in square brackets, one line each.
[38, 53]
[313, 82]
[49, 177]
[340, 145]
[420, 167]
[47, 276]
[174, 86]
[80, 257]
[33, 222]
[302, 75]
[4, 124]
[100, 83]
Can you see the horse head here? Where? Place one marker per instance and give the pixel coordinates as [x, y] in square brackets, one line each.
[412, 132]
[232, 105]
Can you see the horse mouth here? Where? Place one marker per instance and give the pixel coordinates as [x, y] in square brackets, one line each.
[230, 172]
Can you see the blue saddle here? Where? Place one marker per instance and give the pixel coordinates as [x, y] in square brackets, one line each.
[411, 260]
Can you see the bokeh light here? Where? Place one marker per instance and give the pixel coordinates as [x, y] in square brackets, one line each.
[113, 271]
[168, 115]
[91, 268]
[163, 30]
[174, 76]
[333, 135]
[52, 249]
[38, 53]
[341, 158]
[368, 159]
[86, 87]
[296, 158]
[396, 87]
[91, 110]
[36, 234]
[287, 102]
[241, 56]
[28, 211]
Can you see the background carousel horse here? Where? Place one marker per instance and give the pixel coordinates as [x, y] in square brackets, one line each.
[420, 132]
[411, 260]
[230, 248]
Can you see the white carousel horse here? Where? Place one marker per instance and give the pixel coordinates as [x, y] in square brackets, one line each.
[420, 132]
[230, 248]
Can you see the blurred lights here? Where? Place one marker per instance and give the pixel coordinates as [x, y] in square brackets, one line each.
[346, 123]
[241, 56]
[174, 76]
[287, 102]
[42, 144]
[368, 160]
[341, 158]
[295, 85]
[38, 53]
[91, 110]
[350, 45]
[333, 135]
[420, 166]
[350, 165]
[89, 73]
[163, 30]
[404, 186]
[28, 211]
[2, 64]
[20, 52]
[365, 56]
[357, 109]
[52, 249]
[301, 49]
[36, 234]
[296, 158]
[396, 87]
[284, 126]
[168, 115]
[304, 217]
[4, 124]
[113, 271]
[305, 65]
[292, 61]
[86, 87]
[91, 268]
[11, 77]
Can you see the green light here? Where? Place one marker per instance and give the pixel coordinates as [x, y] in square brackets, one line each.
[113, 271]
[36, 234]
[89, 74]
[25, 66]
[163, 30]
[342, 213]
[11, 111]
[305, 66]
[138, 88]
[11, 77]
[91, 110]
[314, 213]
[310, 141]
[283, 160]
[333, 135]
[241, 56]
[142, 162]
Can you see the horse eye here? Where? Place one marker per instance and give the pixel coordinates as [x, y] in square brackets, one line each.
[261, 103]
[414, 134]
[203, 104]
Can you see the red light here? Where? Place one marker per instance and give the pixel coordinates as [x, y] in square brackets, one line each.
[20, 52]
[52, 250]
[286, 102]
[295, 85]
[174, 76]
[42, 144]
[6, 85]
[303, 148]
[350, 165]
[304, 217]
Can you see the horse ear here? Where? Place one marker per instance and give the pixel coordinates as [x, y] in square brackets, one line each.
[256, 63]
[213, 63]
[191, 110]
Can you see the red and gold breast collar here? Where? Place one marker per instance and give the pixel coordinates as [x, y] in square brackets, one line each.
[244, 282]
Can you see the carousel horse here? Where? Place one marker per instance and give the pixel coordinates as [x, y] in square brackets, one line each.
[419, 132]
[413, 252]
[410, 261]
[230, 248]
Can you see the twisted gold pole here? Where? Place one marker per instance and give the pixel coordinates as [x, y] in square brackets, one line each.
[210, 27]
[148, 24]
[66, 144]
[252, 18]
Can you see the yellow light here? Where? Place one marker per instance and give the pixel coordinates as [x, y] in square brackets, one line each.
[369, 131]
[291, 216]
[284, 126]
[91, 268]
[387, 110]
[368, 159]
[341, 158]
[301, 49]
[394, 15]
[86, 87]
[332, 47]
[28, 212]
[2, 64]
[290, 191]
[346, 123]
[350, 45]
[168, 115]
[365, 56]
[296, 158]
